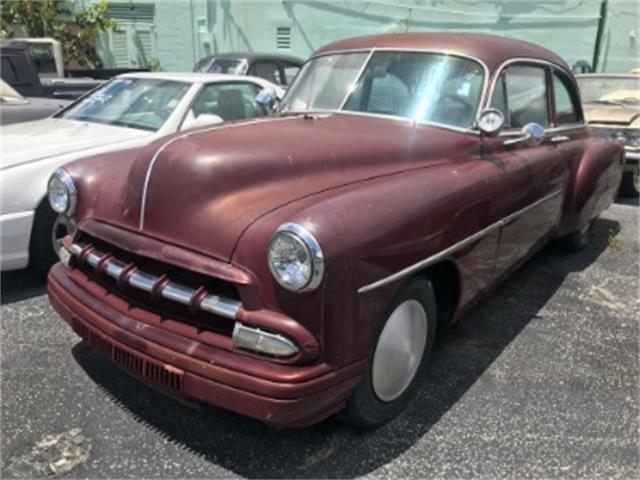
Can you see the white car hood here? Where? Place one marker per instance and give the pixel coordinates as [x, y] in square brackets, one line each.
[32, 141]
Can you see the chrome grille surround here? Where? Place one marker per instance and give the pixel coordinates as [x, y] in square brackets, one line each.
[176, 292]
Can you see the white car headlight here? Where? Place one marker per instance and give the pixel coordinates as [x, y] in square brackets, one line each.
[295, 258]
[62, 193]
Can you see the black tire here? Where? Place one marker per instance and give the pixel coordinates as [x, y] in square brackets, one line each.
[41, 253]
[629, 185]
[577, 241]
[364, 408]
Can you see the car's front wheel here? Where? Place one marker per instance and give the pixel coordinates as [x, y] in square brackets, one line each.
[401, 352]
[629, 187]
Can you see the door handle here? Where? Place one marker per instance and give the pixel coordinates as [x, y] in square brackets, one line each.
[559, 139]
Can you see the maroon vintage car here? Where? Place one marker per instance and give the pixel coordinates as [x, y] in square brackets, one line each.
[293, 267]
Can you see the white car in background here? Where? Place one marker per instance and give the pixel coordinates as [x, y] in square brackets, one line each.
[129, 111]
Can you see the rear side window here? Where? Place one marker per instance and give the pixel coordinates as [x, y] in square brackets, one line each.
[521, 94]
[566, 113]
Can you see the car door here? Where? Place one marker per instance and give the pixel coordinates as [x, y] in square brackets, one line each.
[532, 175]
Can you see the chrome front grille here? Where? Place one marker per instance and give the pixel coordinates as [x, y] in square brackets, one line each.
[129, 274]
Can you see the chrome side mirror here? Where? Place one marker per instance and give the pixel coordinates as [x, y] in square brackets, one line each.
[490, 122]
[268, 98]
[532, 134]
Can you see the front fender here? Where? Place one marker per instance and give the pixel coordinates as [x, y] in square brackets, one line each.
[367, 231]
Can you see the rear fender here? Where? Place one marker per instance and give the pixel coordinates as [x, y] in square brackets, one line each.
[593, 185]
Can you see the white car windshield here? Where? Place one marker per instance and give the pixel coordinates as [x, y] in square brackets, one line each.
[130, 102]
[424, 87]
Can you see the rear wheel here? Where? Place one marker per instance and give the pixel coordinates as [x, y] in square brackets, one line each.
[576, 241]
[629, 187]
[400, 354]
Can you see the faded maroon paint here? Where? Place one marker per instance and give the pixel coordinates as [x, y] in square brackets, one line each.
[379, 195]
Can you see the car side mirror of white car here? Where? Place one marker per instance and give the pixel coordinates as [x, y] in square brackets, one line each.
[268, 98]
[201, 120]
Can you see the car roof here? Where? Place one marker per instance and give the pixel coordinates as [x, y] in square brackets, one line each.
[192, 77]
[252, 56]
[490, 49]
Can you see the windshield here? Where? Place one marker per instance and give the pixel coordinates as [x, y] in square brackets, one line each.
[425, 87]
[610, 90]
[227, 66]
[130, 102]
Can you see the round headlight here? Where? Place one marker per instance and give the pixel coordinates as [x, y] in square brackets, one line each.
[295, 258]
[62, 193]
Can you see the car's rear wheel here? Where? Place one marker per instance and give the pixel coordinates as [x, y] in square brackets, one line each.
[400, 353]
[578, 240]
[629, 187]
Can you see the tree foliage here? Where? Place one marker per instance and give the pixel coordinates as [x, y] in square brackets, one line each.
[75, 28]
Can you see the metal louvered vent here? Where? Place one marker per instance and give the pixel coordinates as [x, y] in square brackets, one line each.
[283, 38]
[126, 12]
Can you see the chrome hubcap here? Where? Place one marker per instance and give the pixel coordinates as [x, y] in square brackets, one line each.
[399, 350]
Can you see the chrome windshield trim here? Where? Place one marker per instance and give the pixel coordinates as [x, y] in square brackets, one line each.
[355, 82]
[372, 50]
[457, 246]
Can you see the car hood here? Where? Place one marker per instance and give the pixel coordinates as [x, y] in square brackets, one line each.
[32, 141]
[615, 114]
[203, 189]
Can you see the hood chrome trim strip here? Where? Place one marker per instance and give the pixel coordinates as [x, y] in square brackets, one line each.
[457, 246]
[147, 177]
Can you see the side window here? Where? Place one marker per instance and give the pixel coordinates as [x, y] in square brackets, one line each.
[566, 113]
[269, 71]
[229, 101]
[290, 72]
[521, 94]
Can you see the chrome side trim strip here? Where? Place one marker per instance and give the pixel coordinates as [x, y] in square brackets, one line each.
[176, 292]
[147, 177]
[457, 246]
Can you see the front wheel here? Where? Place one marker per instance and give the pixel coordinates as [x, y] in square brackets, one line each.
[629, 187]
[400, 354]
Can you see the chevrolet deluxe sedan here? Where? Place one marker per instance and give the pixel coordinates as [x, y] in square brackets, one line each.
[292, 267]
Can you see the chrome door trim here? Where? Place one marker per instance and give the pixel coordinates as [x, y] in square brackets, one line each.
[457, 246]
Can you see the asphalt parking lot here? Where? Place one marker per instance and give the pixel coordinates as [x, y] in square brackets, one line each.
[541, 380]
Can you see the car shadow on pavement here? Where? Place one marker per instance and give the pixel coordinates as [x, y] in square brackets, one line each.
[331, 448]
[19, 285]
